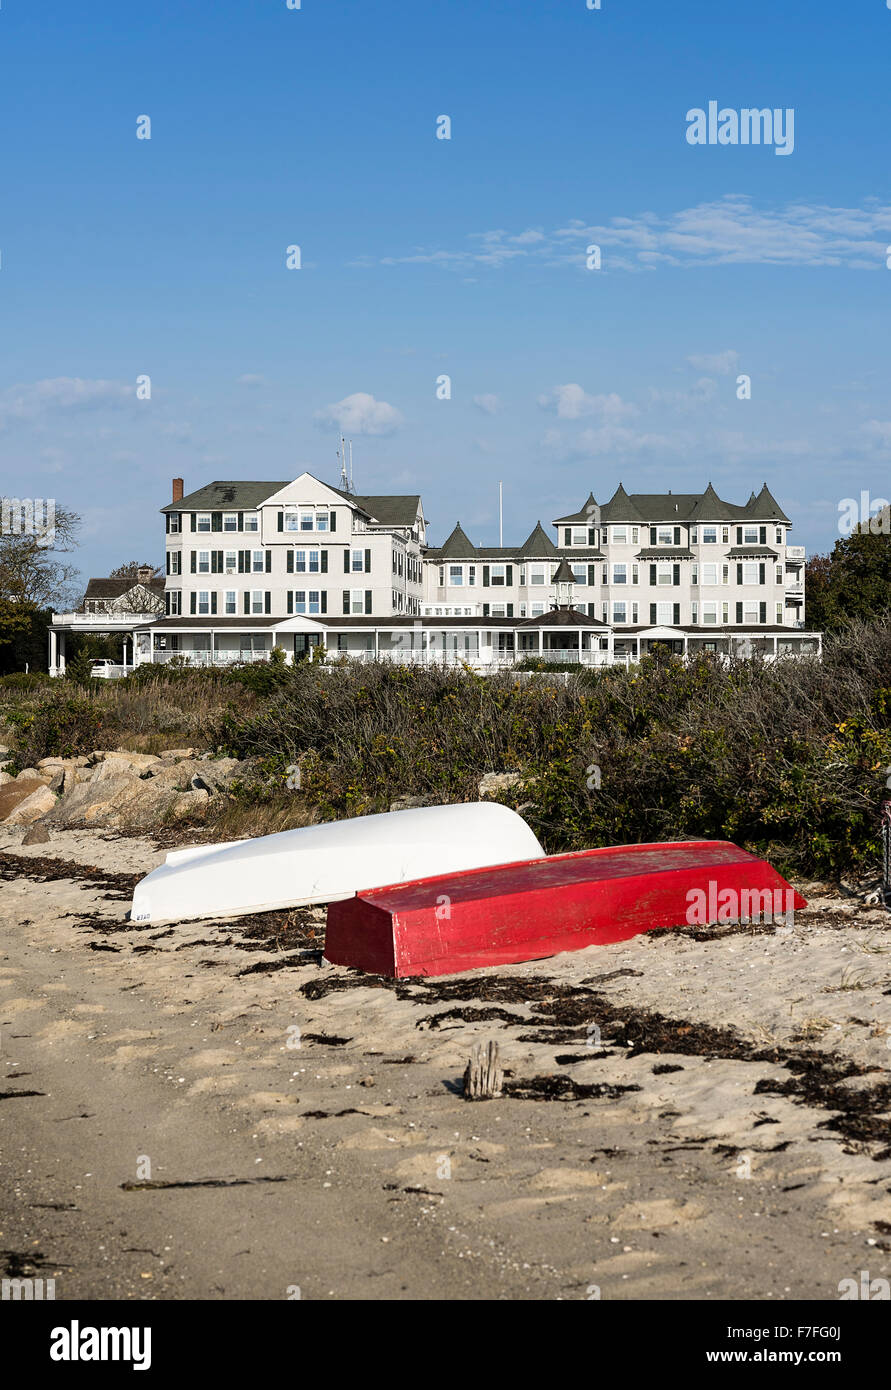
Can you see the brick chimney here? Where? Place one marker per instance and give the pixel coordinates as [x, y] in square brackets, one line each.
[177, 490]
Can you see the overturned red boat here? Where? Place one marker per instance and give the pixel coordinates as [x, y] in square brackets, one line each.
[536, 908]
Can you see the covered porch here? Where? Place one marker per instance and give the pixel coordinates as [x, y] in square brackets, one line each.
[129, 627]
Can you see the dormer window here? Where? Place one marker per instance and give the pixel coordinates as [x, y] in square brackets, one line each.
[579, 535]
[665, 535]
[710, 535]
[619, 535]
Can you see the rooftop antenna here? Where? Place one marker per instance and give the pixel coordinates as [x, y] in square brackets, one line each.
[501, 515]
[351, 465]
[341, 454]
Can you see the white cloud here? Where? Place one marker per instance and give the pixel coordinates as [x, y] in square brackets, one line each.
[572, 402]
[698, 394]
[361, 414]
[251, 379]
[722, 363]
[725, 231]
[488, 403]
[58, 395]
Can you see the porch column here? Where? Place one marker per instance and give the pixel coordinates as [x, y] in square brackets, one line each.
[53, 644]
[540, 642]
[63, 648]
[377, 644]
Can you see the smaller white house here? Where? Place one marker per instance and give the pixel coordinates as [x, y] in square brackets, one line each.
[110, 608]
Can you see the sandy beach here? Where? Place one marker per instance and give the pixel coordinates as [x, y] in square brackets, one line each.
[211, 1111]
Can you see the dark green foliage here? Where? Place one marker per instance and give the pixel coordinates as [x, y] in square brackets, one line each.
[785, 759]
[63, 726]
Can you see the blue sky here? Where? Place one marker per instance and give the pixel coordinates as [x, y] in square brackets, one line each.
[422, 257]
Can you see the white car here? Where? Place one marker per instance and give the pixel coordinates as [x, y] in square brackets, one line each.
[103, 669]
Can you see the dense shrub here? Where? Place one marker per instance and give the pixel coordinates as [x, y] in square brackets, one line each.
[786, 759]
[64, 727]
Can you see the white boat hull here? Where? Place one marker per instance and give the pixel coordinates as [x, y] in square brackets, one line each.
[326, 863]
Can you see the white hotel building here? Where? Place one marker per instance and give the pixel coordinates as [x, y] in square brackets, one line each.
[255, 565]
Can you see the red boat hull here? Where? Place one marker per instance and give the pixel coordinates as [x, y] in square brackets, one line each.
[537, 908]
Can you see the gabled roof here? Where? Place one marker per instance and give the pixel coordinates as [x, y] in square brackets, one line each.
[709, 507]
[116, 588]
[621, 507]
[537, 544]
[400, 509]
[583, 515]
[226, 496]
[457, 546]
[766, 508]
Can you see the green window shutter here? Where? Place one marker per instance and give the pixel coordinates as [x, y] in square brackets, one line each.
[194, 521]
[762, 612]
[510, 610]
[346, 600]
[739, 613]
[290, 562]
[652, 615]
[367, 600]
[213, 603]
[267, 602]
[290, 601]
[241, 521]
[167, 522]
[675, 574]
[761, 570]
[168, 562]
[324, 554]
[653, 575]
[241, 564]
[216, 521]
[192, 603]
[739, 574]
[652, 535]
[269, 562]
[485, 610]
[592, 574]
[346, 562]
[280, 521]
[739, 535]
[167, 605]
[193, 561]
[592, 535]
[567, 535]
[509, 579]
[332, 521]
[485, 576]
[368, 562]
[762, 535]
[324, 601]
[676, 614]
[677, 535]
[247, 601]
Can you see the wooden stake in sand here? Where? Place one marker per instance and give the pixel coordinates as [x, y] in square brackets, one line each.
[483, 1076]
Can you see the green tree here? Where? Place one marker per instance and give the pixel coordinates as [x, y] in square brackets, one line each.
[854, 581]
[33, 577]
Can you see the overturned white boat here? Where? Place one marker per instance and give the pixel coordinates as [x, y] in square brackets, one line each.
[326, 863]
